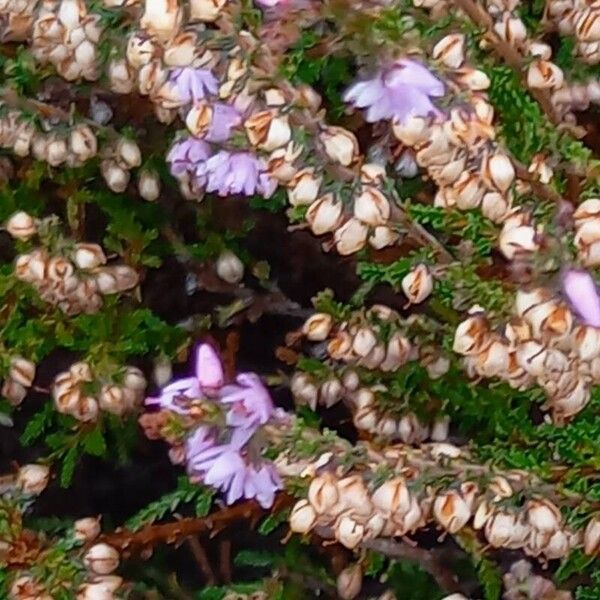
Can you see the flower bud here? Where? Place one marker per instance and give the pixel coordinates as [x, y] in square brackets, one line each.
[340, 346]
[317, 327]
[88, 256]
[120, 76]
[544, 75]
[591, 537]
[162, 18]
[450, 50]
[364, 341]
[372, 174]
[557, 546]
[304, 390]
[229, 267]
[21, 226]
[517, 240]
[366, 419]
[351, 381]
[87, 529]
[56, 150]
[303, 517]
[33, 479]
[59, 269]
[280, 163]
[505, 530]
[543, 515]
[85, 409]
[268, 130]
[473, 79]
[351, 237]
[324, 215]
[115, 176]
[349, 582]
[372, 207]
[111, 399]
[323, 494]
[412, 131]
[417, 284]
[149, 185]
[141, 49]
[83, 143]
[162, 372]
[134, 379]
[340, 144]
[451, 511]
[303, 188]
[126, 277]
[511, 29]
[331, 392]
[439, 431]
[499, 171]
[206, 11]
[22, 371]
[383, 236]
[348, 532]
[495, 206]
[392, 497]
[102, 559]
[128, 152]
[14, 392]
[181, 50]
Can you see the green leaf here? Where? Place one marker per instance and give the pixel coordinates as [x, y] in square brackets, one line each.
[254, 558]
[272, 522]
[94, 442]
[69, 462]
[37, 425]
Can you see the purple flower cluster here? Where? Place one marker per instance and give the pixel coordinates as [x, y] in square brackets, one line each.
[224, 173]
[193, 159]
[193, 85]
[399, 91]
[220, 457]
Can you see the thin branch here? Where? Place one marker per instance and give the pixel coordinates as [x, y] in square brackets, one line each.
[202, 560]
[171, 533]
[429, 560]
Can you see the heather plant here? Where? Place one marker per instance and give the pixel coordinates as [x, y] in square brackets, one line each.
[299, 299]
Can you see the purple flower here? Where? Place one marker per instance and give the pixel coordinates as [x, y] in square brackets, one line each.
[228, 173]
[250, 400]
[193, 85]
[185, 155]
[398, 92]
[215, 454]
[224, 119]
[580, 289]
[179, 395]
[231, 474]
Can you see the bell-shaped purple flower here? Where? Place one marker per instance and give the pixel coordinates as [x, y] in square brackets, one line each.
[186, 154]
[399, 91]
[224, 119]
[250, 402]
[237, 478]
[582, 293]
[192, 85]
[228, 173]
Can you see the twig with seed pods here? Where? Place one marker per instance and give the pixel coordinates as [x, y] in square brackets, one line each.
[506, 52]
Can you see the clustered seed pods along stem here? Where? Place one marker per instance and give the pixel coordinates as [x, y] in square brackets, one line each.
[174, 167]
